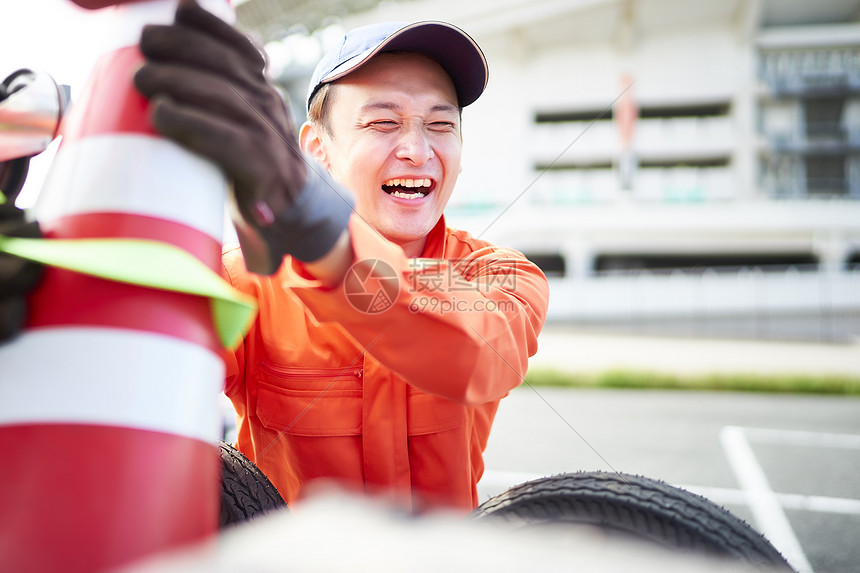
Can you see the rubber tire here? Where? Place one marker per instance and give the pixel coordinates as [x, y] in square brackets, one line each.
[627, 505]
[246, 492]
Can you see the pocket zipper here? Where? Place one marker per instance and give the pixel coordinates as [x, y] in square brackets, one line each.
[335, 373]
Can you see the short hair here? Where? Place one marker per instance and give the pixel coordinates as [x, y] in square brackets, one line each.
[319, 107]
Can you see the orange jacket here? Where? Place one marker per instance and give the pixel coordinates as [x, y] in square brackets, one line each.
[397, 401]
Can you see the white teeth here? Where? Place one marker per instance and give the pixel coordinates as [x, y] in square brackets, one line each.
[407, 183]
[415, 195]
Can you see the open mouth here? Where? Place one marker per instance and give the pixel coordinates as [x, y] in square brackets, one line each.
[408, 188]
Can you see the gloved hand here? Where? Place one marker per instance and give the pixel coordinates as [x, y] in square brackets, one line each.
[17, 276]
[208, 92]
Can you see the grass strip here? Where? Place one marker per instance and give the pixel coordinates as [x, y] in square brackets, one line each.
[736, 382]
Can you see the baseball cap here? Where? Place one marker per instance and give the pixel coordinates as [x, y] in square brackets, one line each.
[457, 53]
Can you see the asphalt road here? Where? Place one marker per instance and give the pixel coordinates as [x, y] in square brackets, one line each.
[787, 464]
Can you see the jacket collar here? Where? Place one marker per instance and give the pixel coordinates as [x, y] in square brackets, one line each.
[434, 248]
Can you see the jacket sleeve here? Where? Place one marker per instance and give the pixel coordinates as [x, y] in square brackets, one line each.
[234, 360]
[461, 329]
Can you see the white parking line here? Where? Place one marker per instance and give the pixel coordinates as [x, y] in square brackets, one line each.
[817, 503]
[804, 439]
[763, 502]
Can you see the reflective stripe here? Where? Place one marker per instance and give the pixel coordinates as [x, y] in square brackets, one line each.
[130, 173]
[111, 377]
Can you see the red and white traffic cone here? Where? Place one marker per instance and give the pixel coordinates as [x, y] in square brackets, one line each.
[108, 399]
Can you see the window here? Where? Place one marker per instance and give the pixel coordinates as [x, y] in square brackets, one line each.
[661, 263]
[825, 175]
[823, 117]
[552, 264]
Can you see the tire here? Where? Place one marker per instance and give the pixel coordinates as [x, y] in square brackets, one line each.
[632, 506]
[246, 492]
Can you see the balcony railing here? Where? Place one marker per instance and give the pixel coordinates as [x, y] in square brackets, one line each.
[802, 71]
[589, 143]
[670, 184]
[823, 305]
[813, 137]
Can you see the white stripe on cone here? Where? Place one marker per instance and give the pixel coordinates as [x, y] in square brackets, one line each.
[137, 174]
[130, 18]
[111, 377]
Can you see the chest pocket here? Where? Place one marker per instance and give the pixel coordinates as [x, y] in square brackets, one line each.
[429, 414]
[310, 401]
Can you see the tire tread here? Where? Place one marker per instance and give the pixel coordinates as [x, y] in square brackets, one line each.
[246, 492]
[638, 505]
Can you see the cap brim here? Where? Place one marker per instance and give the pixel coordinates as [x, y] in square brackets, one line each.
[457, 53]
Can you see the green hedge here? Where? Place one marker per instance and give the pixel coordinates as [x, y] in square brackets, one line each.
[801, 384]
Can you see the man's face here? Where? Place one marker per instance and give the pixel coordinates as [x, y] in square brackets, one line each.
[395, 141]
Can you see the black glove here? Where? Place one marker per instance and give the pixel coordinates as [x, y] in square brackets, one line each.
[208, 92]
[17, 276]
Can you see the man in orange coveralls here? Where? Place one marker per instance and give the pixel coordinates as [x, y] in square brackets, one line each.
[385, 339]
